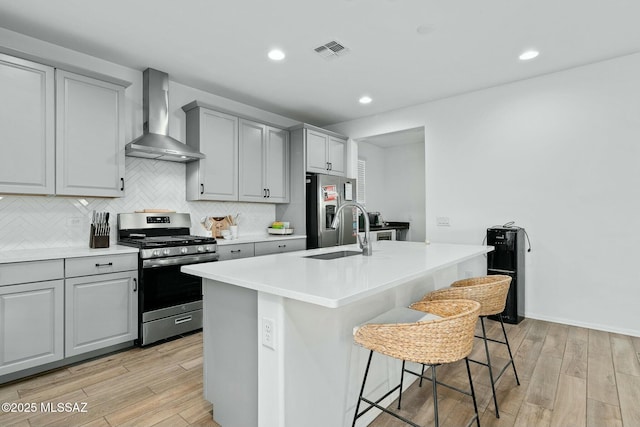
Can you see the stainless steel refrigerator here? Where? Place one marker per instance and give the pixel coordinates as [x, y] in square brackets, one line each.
[325, 193]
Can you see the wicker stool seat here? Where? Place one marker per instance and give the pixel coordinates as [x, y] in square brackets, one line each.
[445, 339]
[491, 292]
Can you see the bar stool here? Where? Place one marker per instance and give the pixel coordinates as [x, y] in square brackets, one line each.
[446, 338]
[491, 292]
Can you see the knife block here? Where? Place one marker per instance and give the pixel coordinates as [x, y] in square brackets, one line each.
[98, 241]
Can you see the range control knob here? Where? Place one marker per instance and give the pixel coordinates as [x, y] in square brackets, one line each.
[167, 252]
[200, 249]
[208, 248]
[184, 250]
[155, 253]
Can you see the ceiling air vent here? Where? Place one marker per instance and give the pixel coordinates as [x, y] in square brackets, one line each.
[331, 50]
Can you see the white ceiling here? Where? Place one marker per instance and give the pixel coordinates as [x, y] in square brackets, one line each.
[221, 46]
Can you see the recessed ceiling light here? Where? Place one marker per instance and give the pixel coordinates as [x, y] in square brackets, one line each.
[529, 54]
[365, 100]
[276, 55]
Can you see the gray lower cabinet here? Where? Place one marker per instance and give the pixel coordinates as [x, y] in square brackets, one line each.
[237, 251]
[31, 314]
[245, 250]
[32, 322]
[47, 316]
[100, 309]
[285, 245]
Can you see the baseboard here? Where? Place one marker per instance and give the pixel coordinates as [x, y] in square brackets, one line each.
[73, 360]
[596, 326]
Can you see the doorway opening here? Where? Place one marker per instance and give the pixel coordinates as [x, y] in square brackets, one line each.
[394, 180]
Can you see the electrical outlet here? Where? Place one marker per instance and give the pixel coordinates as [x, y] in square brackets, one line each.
[442, 221]
[268, 333]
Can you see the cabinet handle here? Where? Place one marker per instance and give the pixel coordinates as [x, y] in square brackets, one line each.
[268, 192]
[282, 246]
[183, 320]
[201, 188]
[330, 166]
[121, 184]
[264, 192]
[135, 285]
[104, 265]
[236, 251]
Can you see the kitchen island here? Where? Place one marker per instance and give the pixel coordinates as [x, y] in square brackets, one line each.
[278, 343]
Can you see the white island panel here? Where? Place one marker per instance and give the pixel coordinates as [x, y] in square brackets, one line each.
[312, 375]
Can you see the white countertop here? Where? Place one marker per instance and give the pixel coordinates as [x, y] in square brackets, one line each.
[22, 255]
[259, 238]
[341, 281]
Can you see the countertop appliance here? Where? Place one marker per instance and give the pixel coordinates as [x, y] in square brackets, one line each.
[325, 193]
[375, 219]
[169, 301]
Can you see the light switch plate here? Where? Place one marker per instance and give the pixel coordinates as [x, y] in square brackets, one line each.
[443, 221]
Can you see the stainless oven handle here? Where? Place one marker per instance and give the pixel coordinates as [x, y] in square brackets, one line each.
[183, 320]
[179, 260]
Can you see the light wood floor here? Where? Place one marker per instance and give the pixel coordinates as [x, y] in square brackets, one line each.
[153, 386]
[569, 377]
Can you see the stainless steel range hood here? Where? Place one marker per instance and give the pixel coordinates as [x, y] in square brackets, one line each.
[155, 142]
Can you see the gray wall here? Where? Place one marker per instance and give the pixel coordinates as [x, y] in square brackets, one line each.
[557, 154]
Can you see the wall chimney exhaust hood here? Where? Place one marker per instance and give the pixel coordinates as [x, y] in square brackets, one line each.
[155, 142]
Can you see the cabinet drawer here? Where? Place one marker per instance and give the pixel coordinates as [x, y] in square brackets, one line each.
[86, 266]
[241, 250]
[285, 245]
[31, 271]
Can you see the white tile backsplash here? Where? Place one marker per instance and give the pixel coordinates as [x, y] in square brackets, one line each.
[46, 222]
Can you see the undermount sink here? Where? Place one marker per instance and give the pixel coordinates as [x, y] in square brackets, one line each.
[334, 255]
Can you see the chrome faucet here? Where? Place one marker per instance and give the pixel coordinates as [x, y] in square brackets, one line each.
[365, 244]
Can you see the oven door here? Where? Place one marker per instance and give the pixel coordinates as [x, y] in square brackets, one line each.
[163, 285]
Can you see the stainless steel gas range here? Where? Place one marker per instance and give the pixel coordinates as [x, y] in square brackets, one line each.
[170, 302]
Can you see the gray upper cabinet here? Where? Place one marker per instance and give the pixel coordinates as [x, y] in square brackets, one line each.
[89, 136]
[216, 135]
[27, 120]
[325, 153]
[252, 165]
[277, 161]
[336, 155]
[317, 143]
[264, 163]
